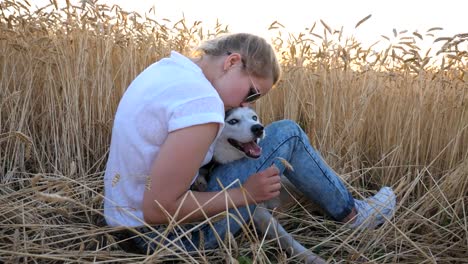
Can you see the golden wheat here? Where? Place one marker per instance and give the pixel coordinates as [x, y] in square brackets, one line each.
[394, 115]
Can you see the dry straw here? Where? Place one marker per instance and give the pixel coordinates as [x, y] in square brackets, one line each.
[393, 113]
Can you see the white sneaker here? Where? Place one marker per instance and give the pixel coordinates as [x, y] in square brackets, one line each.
[373, 211]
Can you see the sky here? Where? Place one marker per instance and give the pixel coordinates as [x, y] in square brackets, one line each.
[255, 16]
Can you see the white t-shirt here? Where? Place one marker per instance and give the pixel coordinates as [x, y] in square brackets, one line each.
[170, 94]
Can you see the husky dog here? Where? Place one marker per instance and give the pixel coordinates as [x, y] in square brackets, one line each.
[240, 137]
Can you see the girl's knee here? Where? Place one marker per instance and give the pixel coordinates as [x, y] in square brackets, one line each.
[285, 126]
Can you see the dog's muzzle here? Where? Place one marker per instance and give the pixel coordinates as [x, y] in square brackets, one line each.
[250, 149]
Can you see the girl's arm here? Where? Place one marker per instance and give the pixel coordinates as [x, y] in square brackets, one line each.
[173, 170]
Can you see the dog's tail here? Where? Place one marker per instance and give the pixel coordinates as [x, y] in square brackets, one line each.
[273, 230]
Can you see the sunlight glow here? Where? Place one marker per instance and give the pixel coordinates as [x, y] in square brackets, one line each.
[256, 16]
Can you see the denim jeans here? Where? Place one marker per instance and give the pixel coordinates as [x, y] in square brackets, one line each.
[311, 175]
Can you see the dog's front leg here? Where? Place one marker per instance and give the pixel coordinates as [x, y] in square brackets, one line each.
[272, 229]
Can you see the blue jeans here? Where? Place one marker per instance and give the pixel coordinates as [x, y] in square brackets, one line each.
[311, 175]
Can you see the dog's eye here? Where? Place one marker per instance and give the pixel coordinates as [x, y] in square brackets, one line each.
[233, 121]
[254, 118]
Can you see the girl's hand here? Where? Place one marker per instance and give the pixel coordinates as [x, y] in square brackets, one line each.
[264, 185]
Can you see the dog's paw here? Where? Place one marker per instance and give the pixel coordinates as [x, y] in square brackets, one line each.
[200, 184]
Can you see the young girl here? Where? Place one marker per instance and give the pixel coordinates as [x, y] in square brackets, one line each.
[164, 130]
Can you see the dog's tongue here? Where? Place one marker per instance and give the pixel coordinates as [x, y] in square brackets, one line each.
[251, 149]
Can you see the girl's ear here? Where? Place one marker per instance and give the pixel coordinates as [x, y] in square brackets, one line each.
[231, 60]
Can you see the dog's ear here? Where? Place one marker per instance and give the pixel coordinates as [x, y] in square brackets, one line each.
[228, 112]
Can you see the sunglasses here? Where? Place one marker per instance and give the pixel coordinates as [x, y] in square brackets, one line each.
[254, 94]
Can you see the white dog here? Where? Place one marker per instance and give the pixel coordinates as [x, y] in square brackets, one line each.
[239, 138]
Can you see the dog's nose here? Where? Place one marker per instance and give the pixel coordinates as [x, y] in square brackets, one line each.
[257, 130]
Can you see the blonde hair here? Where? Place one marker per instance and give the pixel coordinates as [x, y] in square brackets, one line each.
[257, 55]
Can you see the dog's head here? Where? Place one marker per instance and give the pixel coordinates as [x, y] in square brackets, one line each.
[240, 137]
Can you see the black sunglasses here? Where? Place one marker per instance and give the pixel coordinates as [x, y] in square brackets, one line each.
[254, 94]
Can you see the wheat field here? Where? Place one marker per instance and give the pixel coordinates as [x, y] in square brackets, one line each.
[394, 116]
